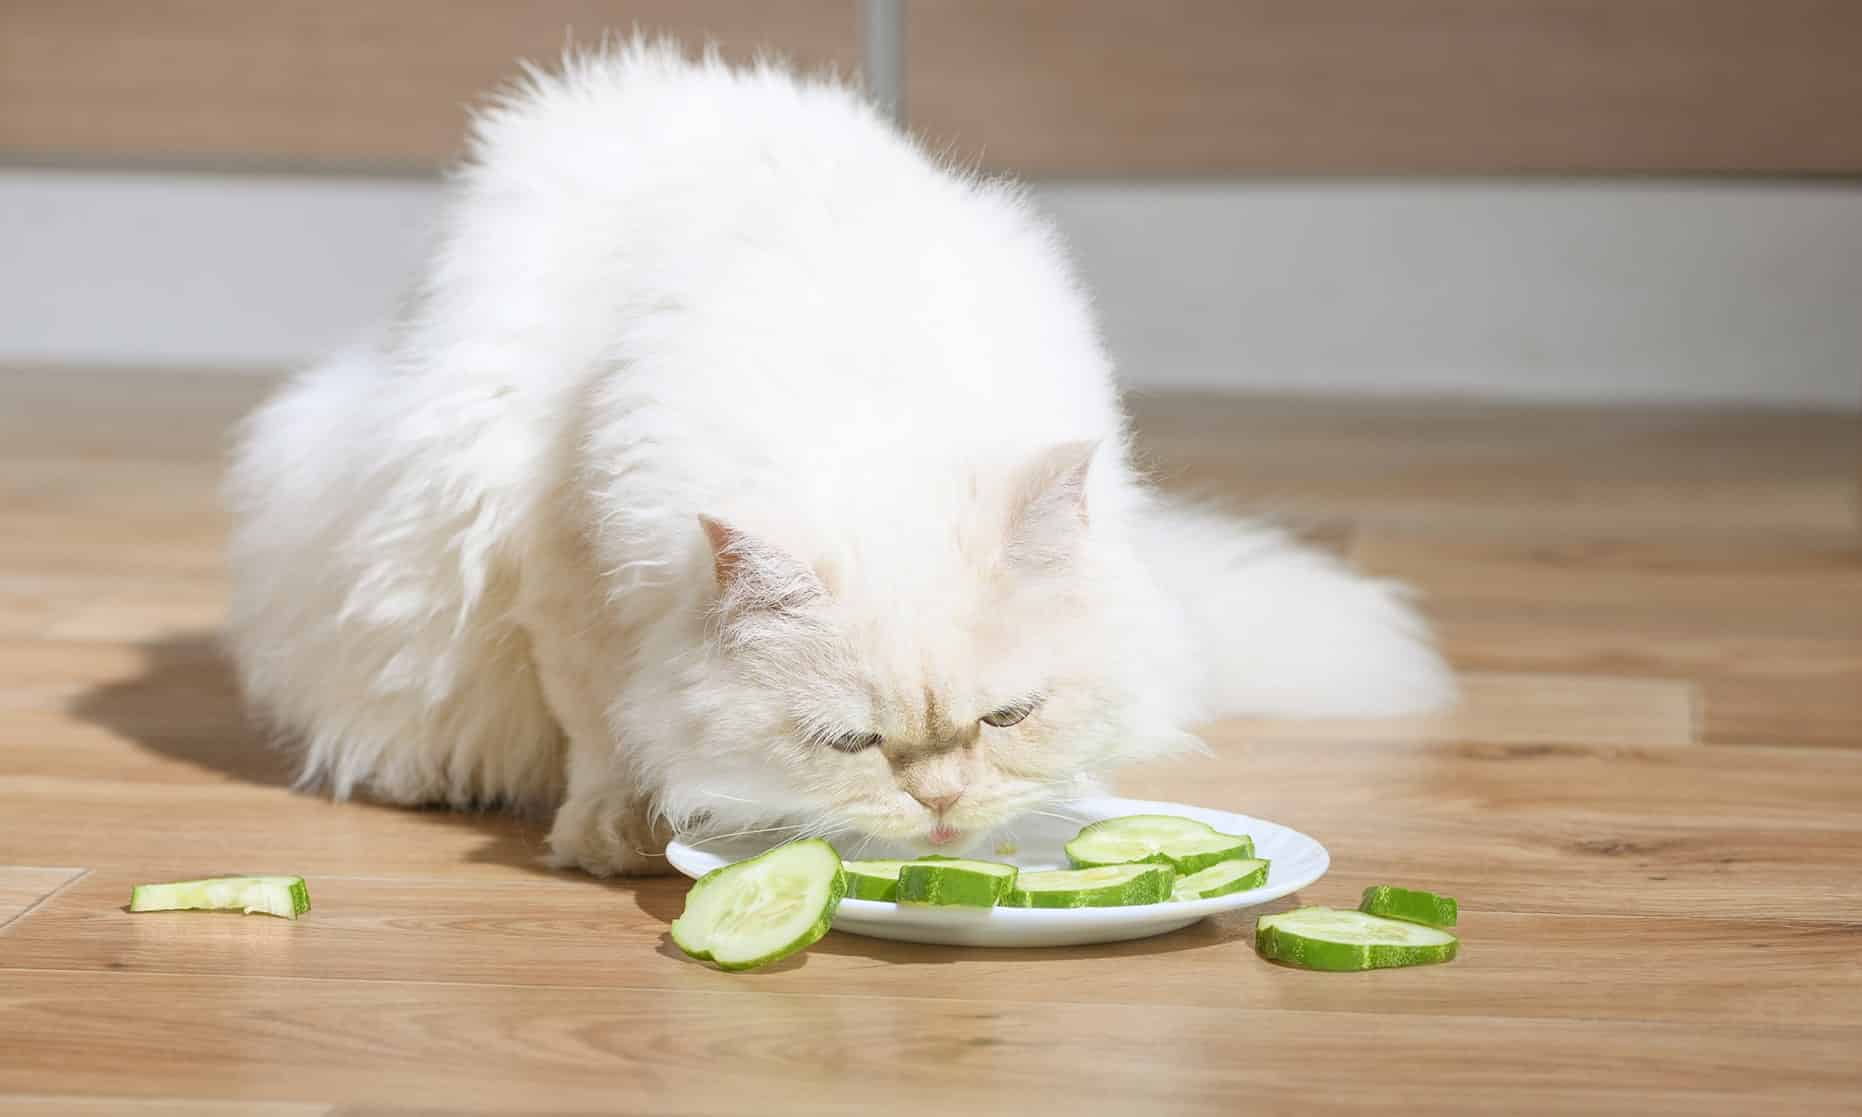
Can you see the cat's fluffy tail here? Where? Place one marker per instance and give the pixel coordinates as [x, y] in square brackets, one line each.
[1282, 630]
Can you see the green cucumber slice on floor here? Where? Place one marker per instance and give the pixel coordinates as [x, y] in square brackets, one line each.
[1221, 878]
[873, 880]
[756, 911]
[955, 882]
[1106, 886]
[281, 896]
[1334, 939]
[1186, 845]
[1409, 904]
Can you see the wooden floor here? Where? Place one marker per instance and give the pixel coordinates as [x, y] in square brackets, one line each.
[1650, 807]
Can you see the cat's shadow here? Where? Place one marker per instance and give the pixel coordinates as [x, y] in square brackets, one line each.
[183, 702]
[1217, 931]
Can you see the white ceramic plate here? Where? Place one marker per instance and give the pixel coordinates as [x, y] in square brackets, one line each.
[1296, 861]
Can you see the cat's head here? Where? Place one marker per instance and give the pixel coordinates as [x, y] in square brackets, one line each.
[925, 681]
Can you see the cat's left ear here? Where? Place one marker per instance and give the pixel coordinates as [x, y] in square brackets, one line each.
[1050, 511]
[755, 576]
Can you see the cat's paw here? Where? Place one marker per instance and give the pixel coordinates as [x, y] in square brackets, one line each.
[609, 835]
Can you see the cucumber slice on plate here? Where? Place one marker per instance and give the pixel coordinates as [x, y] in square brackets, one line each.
[1107, 886]
[1221, 878]
[753, 912]
[280, 896]
[1410, 905]
[1186, 845]
[873, 880]
[1331, 939]
[955, 882]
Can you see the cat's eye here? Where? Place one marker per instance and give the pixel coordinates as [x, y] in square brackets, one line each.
[1012, 714]
[855, 742]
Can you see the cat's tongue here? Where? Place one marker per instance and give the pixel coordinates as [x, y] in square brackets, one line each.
[942, 835]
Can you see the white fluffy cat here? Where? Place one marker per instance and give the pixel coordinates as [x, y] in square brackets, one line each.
[741, 466]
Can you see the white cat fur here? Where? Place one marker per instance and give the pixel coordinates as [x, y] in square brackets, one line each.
[468, 561]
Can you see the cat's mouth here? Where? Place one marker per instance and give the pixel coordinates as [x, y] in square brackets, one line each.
[942, 834]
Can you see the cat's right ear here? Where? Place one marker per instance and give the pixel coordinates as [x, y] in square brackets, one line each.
[755, 576]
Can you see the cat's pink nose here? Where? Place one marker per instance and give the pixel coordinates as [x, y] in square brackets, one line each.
[941, 802]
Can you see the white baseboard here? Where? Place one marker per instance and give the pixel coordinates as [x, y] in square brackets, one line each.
[1634, 290]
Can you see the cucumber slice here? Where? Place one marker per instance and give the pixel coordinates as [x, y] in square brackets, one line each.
[753, 912]
[280, 896]
[955, 883]
[1186, 845]
[1220, 879]
[1331, 939]
[1410, 905]
[1107, 886]
[873, 880]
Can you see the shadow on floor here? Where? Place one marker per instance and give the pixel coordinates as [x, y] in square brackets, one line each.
[1218, 931]
[184, 704]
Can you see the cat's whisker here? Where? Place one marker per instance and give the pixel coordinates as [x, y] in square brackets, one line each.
[824, 829]
[709, 838]
[720, 795]
[822, 826]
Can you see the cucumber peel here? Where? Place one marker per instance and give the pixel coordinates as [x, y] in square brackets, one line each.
[1221, 878]
[763, 909]
[285, 897]
[955, 882]
[1105, 886]
[1186, 845]
[873, 880]
[1410, 905]
[1341, 940]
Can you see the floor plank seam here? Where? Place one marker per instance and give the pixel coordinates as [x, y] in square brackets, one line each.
[1770, 921]
[674, 991]
[76, 876]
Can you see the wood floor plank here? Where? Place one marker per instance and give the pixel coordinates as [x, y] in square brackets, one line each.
[24, 887]
[1754, 689]
[68, 1106]
[579, 933]
[147, 615]
[1772, 636]
[1557, 474]
[1518, 708]
[29, 604]
[191, 830]
[497, 1046]
[1823, 707]
[205, 750]
[1557, 828]
[115, 413]
[1759, 590]
[1511, 828]
[51, 674]
[58, 604]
